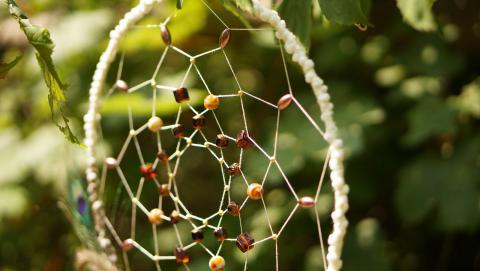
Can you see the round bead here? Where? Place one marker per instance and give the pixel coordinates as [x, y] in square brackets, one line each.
[255, 191]
[127, 245]
[121, 85]
[111, 162]
[174, 217]
[211, 102]
[155, 216]
[163, 190]
[216, 263]
[148, 172]
[154, 124]
[306, 202]
[224, 38]
[284, 101]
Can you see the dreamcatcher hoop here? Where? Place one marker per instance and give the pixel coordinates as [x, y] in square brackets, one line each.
[293, 47]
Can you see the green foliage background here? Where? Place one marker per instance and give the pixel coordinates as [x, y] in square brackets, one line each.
[407, 96]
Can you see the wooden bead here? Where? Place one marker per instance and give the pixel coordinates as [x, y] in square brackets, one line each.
[234, 169]
[197, 235]
[111, 162]
[181, 255]
[222, 141]
[155, 216]
[179, 131]
[198, 121]
[306, 202]
[127, 245]
[155, 124]
[121, 85]
[181, 95]
[220, 233]
[166, 37]
[224, 38]
[245, 242]
[163, 190]
[255, 191]
[243, 140]
[211, 102]
[284, 101]
[217, 263]
[233, 208]
[174, 217]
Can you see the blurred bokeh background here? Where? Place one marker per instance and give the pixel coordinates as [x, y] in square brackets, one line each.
[407, 104]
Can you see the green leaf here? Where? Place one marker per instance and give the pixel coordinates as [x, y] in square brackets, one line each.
[6, 67]
[179, 4]
[418, 14]
[468, 101]
[39, 38]
[298, 15]
[236, 7]
[346, 12]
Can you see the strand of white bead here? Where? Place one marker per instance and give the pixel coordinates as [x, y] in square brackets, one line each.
[294, 48]
[92, 117]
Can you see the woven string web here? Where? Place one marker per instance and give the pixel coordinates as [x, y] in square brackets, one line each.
[170, 163]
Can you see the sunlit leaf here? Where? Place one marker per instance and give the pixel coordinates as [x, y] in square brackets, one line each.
[6, 67]
[418, 14]
[298, 15]
[469, 99]
[346, 12]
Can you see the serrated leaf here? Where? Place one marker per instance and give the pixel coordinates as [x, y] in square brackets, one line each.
[6, 67]
[39, 38]
[418, 14]
[298, 16]
[346, 12]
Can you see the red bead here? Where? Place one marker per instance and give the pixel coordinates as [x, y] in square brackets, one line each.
[284, 101]
[243, 140]
[163, 190]
[181, 255]
[181, 95]
[245, 242]
[306, 202]
[148, 172]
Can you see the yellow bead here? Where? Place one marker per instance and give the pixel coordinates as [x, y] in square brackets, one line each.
[155, 216]
[211, 102]
[216, 263]
[255, 191]
[154, 124]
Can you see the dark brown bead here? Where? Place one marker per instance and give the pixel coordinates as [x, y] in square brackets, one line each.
[174, 217]
[245, 242]
[181, 255]
[221, 234]
[284, 101]
[163, 156]
[127, 245]
[198, 121]
[181, 95]
[233, 208]
[148, 172]
[121, 85]
[163, 190]
[243, 140]
[166, 37]
[197, 235]
[234, 169]
[222, 141]
[224, 38]
[179, 131]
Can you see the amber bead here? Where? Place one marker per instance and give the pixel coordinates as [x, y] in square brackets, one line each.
[166, 37]
[211, 102]
[284, 101]
[148, 172]
[155, 216]
[174, 217]
[111, 162]
[121, 85]
[163, 190]
[181, 95]
[197, 235]
[163, 156]
[198, 121]
[245, 242]
[181, 255]
[179, 131]
[243, 140]
[155, 124]
[216, 263]
[127, 245]
[233, 208]
[255, 191]
[306, 202]
[224, 38]
[222, 141]
[221, 234]
[234, 169]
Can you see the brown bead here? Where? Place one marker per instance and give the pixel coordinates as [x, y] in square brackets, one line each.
[163, 190]
[174, 217]
[111, 162]
[166, 37]
[243, 140]
[222, 141]
[179, 131]
[121, 85]
[234, 169]
[233, 208]
[148, 172]
[127, 245]
[255, 191]
[306, 202]
[198, 121]
[197, 235]
[155, 216]
[181, 95]
[163, 156]
[181, 255]
[221, 234]
[224, 38]
[245, 242]
[284, 101]
[211, 102]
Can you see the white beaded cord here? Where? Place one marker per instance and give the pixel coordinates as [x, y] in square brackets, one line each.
[92, 117]
[299, 55]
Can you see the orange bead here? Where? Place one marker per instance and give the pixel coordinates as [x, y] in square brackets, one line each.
[211, 102]
[155, 216]
[216, 263]
[255, 191]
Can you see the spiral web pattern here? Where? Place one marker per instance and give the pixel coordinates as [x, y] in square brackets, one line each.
[184, 144]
